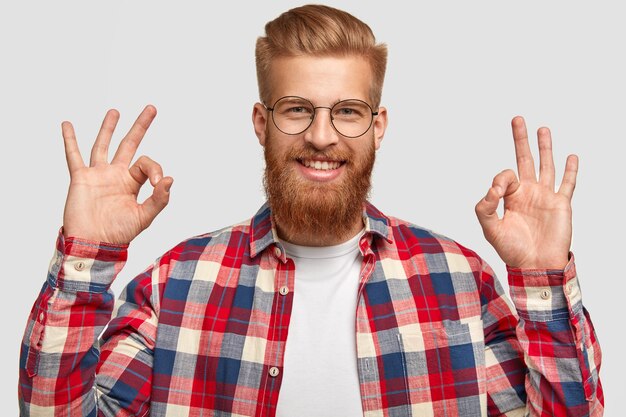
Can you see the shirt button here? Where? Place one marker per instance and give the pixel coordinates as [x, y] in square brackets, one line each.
[545, 294]
[277, 252]
[274, 371]
[568, 289]
[41, 316]
[79, 266]
[284, 290]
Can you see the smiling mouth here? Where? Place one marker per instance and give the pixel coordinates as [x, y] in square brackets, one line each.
[321, 165]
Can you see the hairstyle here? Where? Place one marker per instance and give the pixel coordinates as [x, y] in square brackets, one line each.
[322, 31]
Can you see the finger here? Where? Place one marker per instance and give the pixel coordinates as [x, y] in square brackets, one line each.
[569, 177]
[145, 168]
[100, 149]
[128, 146]
[525, 162]
[72, 153]
[486, 211]
[505, 183]
[546, 160]
[154, 204]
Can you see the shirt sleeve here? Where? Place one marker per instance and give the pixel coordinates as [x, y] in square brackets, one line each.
[65, 368]
[545, 359]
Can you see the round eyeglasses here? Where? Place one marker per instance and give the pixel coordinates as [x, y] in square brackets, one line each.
[293, 115]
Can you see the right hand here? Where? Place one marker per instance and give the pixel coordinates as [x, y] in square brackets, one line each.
[102, 202]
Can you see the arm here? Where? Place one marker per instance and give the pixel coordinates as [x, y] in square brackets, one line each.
[60, 349]
[545, 359]
[63, 367]
[554, 334]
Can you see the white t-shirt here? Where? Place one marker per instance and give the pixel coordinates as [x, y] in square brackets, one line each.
[320, 376]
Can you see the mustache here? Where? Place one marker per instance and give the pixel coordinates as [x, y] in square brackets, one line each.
[309, 152]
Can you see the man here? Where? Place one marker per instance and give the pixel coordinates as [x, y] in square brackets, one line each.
[319, 305]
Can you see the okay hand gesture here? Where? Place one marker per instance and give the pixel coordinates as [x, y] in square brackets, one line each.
[102, 202]
[535, 230]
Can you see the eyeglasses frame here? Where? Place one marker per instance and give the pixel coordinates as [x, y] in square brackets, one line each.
[330, 109]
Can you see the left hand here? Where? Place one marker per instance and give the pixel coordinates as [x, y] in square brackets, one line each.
[536, 228]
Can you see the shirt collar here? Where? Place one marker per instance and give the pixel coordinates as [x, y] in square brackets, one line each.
[263, 230]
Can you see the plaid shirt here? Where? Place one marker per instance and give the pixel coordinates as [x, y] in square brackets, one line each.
[202, 332]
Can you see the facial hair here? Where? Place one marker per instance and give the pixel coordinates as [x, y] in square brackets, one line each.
[318, 212]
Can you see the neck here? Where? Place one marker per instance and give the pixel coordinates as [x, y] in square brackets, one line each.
[318, 237]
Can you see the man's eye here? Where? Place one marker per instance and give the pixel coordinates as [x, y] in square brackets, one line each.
[348, 112]
[298, 110]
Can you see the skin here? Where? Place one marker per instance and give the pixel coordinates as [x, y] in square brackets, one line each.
[102, 201]
[535, 230]
[324, 81]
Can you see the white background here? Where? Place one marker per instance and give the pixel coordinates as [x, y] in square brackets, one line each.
[458, 72]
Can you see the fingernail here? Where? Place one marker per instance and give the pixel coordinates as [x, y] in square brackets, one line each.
[167, 189]
[498, 189]
[157, 178]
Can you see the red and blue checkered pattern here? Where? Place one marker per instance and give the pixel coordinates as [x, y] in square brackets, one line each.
[202, 332]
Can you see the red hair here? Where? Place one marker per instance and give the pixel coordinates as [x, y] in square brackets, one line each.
[323, 31]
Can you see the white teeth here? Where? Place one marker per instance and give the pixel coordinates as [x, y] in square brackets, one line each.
[321, 165]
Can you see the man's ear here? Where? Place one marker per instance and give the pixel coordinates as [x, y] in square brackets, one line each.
[259, 121]
[380, 126]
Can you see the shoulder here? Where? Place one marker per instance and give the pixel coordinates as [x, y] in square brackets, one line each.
[211, 245]
[419, 241]
[430, 254]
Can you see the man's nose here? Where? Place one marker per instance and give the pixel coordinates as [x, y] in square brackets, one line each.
[321, 133]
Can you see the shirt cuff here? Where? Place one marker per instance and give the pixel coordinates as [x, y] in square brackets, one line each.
[81, 265]
[545, 294]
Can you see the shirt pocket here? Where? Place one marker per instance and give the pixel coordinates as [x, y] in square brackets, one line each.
[444, 369]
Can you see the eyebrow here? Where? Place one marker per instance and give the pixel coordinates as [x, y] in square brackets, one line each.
[332, 103]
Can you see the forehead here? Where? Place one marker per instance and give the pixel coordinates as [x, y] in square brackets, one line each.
[321, 79]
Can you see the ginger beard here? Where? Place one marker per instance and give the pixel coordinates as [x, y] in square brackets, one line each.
[321, 211]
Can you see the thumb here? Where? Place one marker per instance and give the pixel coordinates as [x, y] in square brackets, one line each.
[154, 204]
[486, 211]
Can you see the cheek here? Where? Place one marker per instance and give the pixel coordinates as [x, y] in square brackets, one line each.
[275, 150]
[362, 151]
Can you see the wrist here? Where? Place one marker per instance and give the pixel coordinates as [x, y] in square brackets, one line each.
[558, 262]
[552, 265]
[90, 236]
